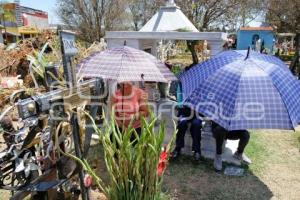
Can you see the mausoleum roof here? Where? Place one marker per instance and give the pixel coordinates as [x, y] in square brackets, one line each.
[169, 18]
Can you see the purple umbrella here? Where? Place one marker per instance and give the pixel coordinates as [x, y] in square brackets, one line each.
[125, 64]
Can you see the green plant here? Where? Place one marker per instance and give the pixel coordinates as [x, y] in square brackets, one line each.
[286, 57]
[136, 166]
[38, 64]
[176, 69]
[183, 30]
[39, 61]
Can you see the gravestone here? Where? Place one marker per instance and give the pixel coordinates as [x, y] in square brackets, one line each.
[208, 145]
[207, 140]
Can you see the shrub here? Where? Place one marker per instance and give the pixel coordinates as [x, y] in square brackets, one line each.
[286, 57]
[135, 167]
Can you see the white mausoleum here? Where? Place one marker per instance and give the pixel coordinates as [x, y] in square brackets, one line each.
[169, 23]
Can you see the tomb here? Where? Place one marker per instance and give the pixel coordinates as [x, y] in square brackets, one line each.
[170, 24]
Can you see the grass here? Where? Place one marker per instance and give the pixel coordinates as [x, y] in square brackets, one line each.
[186, 179]
[4, 195]
[258, 151]
[274, 172]
[296, 135]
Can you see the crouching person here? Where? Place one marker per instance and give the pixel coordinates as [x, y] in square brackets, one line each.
[220, 134]
[186, 117]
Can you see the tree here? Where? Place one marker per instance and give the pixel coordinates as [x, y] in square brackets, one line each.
[209, 14]
[91, 17]
[203, 12]
[285, 16]
[242, 14]
[218, 15]
[142, 10]
[135, 7]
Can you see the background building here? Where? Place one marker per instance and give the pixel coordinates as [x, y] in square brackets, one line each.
[252, 36]
[21, 22]
[34, 18]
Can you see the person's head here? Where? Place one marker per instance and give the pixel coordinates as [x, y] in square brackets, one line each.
[126, 85]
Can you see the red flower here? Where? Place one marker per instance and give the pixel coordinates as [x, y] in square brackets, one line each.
[162, 162]
[87, 180]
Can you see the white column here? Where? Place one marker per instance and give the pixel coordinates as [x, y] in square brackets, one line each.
[216, 46]
[1, 37]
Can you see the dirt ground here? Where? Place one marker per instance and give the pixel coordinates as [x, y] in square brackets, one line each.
[274, 173]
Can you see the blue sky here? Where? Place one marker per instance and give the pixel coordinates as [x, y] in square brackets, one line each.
[45, 5]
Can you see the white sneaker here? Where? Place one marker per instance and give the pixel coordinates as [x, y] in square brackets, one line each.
[242, 157]
[218, 162]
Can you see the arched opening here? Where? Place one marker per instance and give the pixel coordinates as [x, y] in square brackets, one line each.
[255, 38]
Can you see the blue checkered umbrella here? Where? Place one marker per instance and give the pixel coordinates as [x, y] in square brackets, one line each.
[244, 92]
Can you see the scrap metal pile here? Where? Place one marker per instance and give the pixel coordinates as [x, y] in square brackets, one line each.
[35, 154]
[36, 127]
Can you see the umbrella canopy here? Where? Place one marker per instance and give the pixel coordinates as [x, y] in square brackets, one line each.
[244, 92]
[125, 64]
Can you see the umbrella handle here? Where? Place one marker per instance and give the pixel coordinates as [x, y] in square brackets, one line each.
[248, 52]
[143, 81]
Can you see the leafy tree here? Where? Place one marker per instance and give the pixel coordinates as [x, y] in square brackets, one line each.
[91, 17]
[207, 14]
[142, 10]
[285, 16]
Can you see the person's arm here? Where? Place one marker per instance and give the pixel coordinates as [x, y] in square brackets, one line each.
[143, 105]
[113, 101]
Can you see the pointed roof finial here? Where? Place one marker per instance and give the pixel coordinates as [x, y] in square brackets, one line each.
[170, 3]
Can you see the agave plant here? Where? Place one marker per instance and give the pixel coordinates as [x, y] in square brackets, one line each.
[37, 65]
[135, 167]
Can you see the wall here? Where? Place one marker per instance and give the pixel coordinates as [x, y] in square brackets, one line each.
[40, 22]
[148, 44]
[1, 38]
[24, 16]
[215, 46]
[35, 18]
[244, 39]
[139, 39]
[143, 44]
[10, 9]
[112, 43]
